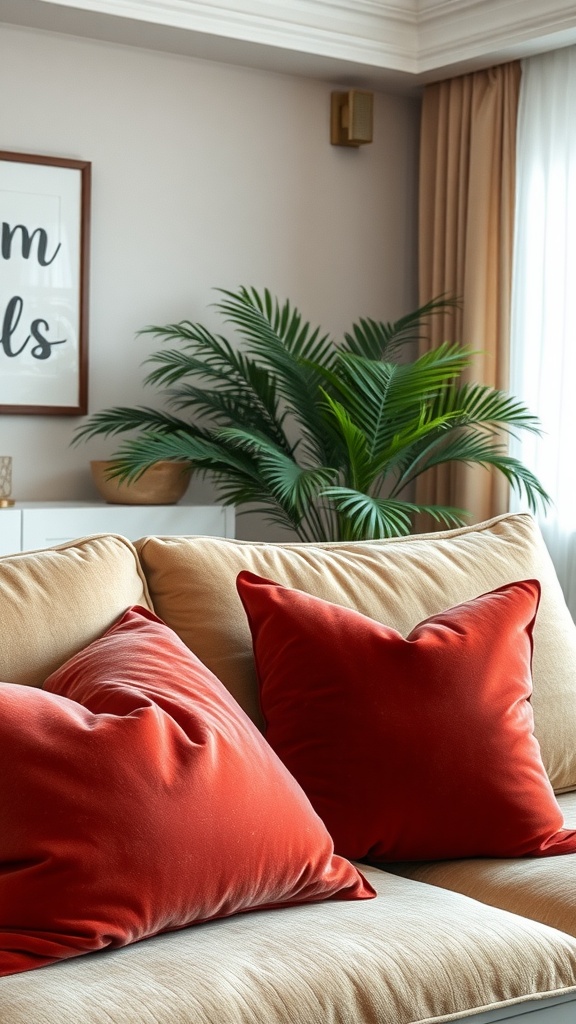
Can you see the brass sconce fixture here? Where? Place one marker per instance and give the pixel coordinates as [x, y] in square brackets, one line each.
[351, 116]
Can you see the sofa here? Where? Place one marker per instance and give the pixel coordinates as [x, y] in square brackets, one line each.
[288, 783]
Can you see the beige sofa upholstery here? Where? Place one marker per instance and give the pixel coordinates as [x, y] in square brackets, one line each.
[478, 940]
[398, 582]
[414, 954]
[544, 890]
[55, 602]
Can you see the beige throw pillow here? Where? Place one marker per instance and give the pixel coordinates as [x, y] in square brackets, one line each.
[398, 582]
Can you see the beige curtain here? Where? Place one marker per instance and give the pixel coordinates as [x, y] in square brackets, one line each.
[466, 220]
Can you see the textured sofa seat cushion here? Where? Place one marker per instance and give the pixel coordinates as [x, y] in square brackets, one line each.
[56, 601]
[541, 889]
[409, 748]
[415, 953]
[137, 797]
[398, 582]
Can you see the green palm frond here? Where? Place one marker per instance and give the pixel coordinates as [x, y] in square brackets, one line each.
[401, 448]
[276, 335]
[121, 419]
[378, 340]
[384, 397]
[206, 357]
[216, 406]
[521, 479]
[473, 447]
[485, 406]
[366, 518]
[258, 409]
[236, 477]
[263, 321]
[136, 454]
[321, 438]
[293, 487]
[358, 465]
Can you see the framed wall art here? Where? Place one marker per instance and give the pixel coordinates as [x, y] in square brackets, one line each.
[44, 256]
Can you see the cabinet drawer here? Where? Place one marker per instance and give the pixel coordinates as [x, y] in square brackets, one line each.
[10, 530]
[45, 527]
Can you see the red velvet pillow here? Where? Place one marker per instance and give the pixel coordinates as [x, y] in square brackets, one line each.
[137, 797]
[409, 749]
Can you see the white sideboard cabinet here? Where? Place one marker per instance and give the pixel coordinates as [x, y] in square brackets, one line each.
[33, 524]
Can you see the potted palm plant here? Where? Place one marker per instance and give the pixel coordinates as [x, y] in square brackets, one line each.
[326, 439]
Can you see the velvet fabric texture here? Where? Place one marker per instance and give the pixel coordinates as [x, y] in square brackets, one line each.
[137, 798]
[398, 581]
[416, 748]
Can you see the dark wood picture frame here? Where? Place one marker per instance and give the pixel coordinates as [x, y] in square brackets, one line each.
[44, 278]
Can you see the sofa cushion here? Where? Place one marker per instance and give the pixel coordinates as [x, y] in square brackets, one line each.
[56, 601]
[544, 890]
[140, 798]
[398, 582]
[409, 749]
[415, 953]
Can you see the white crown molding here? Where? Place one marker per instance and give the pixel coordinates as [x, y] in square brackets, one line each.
[452, 32]
[364, 32]
[398, 43]
[353, 25]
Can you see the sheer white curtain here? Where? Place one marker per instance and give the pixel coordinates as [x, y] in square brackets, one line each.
[543, 322]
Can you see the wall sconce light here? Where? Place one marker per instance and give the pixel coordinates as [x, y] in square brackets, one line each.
[351, 116]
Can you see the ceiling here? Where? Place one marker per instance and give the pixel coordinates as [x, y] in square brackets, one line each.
[379, 44]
